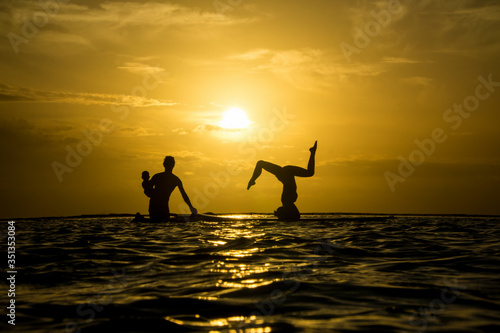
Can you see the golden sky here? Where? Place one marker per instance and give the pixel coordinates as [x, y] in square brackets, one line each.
[402, 96]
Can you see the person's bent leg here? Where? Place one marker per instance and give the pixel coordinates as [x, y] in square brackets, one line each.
[268, 166]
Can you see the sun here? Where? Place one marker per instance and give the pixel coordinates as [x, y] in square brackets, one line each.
[234, 118]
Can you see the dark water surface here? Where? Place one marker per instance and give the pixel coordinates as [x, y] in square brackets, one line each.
[409, 273]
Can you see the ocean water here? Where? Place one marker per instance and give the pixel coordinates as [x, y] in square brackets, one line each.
[405, 274]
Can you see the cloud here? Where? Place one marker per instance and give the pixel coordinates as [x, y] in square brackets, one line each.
[377, 165]
[123, 14]
[180, 131]
[454, 27]
[484, 13]
[190, 156]
[215, 128]
[23, 132]
[208, 127]
[250, 55]
[135, 131]
[19, 133]
[148, 14]
[13, 94]
[306, 68]
[143, 69]
[121, 27]
[418, 81]
[450, 26]
[399, 60]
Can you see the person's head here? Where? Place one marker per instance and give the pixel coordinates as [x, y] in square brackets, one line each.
[287, 212]
[169, 163]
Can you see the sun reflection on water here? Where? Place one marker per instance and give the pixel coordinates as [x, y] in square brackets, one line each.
[236, 242]
[239, 270]
[236, 246]
[229, 322]
[250, 283]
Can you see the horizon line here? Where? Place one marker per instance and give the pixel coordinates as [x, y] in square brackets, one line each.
[261, 213]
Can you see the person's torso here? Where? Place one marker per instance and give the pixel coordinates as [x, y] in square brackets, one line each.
[164, 184]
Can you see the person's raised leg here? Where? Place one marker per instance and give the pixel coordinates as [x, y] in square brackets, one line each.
[268, 166]
[301, 172]
[312, 157]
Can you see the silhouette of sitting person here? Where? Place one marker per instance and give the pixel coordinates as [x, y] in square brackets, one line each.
[286, 175]
[159, 188]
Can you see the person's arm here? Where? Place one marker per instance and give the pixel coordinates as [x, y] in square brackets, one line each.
[186, 198]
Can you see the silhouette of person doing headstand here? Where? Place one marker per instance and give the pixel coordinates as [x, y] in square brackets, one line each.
[286, 175]
[160, 187]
